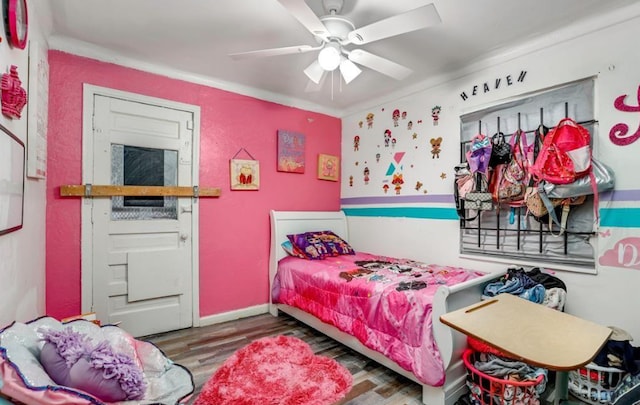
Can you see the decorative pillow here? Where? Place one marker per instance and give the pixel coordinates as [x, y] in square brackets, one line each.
[71, 360]
[292, 250]
[309, 245]
[334, 244]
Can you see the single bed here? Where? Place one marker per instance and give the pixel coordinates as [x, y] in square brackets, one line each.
[448, 343]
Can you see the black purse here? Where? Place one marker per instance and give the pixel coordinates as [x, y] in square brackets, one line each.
[501, 150]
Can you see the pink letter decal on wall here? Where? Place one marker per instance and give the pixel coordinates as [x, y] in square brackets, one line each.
[618, 133]
[623, 254]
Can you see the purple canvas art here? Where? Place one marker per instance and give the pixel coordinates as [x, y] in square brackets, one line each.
[291, 155]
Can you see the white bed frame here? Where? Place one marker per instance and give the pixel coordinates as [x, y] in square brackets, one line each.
[450, 343]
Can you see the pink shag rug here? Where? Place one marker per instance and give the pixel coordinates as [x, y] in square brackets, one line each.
[280, 370]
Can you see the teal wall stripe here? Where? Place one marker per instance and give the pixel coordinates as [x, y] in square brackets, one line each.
[609, 217]
[620, 217]
[408, 212]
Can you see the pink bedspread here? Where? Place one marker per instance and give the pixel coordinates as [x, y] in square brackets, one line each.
[384, 302]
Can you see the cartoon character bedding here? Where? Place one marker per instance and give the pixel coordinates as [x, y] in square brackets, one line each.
[384, 302]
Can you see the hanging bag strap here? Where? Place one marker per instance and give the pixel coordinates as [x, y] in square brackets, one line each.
[563, 220]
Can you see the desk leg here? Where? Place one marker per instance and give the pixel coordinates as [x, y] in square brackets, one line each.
[562, 387]
[561, 392]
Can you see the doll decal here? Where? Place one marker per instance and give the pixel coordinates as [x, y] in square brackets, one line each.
[385, 188]
[359, 124]
[435, 114]
[369, 120]
[404, 115]
[377, 157]
[395, 116]
[397, 182]
[435, 147]
[356, 142]
[409, 125]
[387, 138]
[366, 175]
[393, 142]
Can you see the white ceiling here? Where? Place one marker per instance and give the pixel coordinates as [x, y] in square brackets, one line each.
[194, 37]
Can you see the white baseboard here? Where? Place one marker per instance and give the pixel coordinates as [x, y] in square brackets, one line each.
[234, 315]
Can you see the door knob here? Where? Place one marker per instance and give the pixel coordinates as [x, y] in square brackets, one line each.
[184, 236]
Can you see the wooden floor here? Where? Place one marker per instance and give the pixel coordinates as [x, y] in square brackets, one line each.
[203, 350]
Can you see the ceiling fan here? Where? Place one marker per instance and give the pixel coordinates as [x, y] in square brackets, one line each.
[335, 32]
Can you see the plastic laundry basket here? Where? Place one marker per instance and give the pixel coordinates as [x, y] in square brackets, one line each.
[488, 390]
[594, 384]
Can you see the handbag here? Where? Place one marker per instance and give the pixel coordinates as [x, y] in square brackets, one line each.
[512, 186]
[479, 154]
[535, 205]
[480, 199]
[500, 151]
[565, 155]
[463, 183]
[604, 176]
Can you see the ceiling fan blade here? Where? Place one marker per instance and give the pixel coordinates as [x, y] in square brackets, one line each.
[382, 65]
[421, 17]
[301, 11]
[274, 52]
[314, 72]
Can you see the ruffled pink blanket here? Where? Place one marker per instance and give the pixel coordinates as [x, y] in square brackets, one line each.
[384, 302]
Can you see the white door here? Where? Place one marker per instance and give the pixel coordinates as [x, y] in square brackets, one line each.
[142, 246]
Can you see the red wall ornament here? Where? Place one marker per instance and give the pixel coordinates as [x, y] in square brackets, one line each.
[14, 97]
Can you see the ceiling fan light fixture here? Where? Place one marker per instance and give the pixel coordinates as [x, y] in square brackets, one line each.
[314, 72]
[329, 56]
[349, 70]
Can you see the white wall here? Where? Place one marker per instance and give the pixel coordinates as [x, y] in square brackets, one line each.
[22, 253]
[606, 49]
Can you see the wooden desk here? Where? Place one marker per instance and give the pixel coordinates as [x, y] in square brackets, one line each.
[533, 333]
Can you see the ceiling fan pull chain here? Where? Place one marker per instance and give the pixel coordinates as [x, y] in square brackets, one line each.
[332, 85]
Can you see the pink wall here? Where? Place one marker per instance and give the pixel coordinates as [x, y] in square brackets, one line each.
[234, 229]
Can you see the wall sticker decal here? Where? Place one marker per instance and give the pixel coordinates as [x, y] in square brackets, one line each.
[370, 120]
[395, 116]
[619, 132]
[435, 114]
[387, 138]
[397, 182]
[485, 87]
[624, 253]
[356, 143]
[435, 147]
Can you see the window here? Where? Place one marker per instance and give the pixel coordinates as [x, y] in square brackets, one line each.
[136, 166]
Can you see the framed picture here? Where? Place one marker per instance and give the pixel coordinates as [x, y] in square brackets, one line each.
[328, 167]
[291, 152]
[11, 181]
[245, 174]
